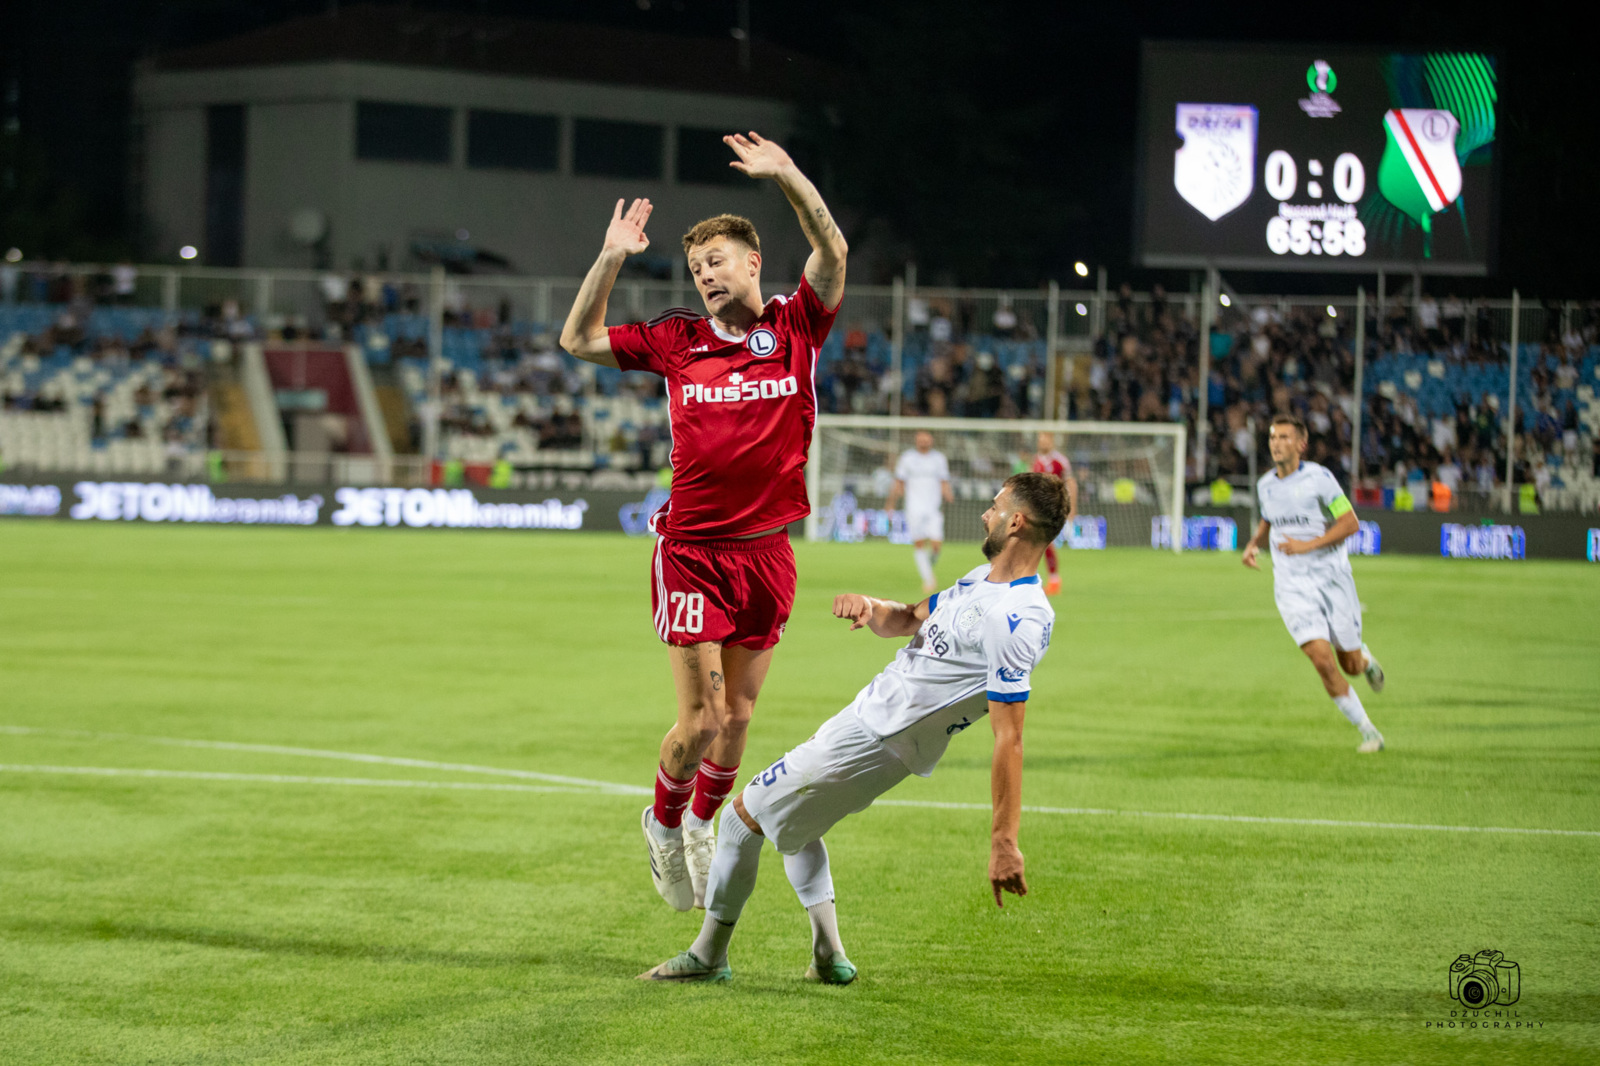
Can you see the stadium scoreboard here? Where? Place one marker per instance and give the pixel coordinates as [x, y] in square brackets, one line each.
[1321, 159]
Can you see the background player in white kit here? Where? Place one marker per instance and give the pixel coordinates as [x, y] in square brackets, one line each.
[1309, 518]
[976, 645]
[922, 475]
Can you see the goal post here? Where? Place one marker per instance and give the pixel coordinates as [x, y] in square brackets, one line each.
[1130, 475]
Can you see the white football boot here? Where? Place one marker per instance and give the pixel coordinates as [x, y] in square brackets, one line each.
[699, 848]
[668, 869]
[1371, 741]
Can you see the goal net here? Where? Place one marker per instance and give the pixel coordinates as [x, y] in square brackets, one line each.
[1130, 476]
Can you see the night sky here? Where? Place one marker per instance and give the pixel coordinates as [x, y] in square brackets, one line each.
[991, 142]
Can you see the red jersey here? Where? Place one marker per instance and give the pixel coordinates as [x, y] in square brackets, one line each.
[741, 408]
[1054, 463]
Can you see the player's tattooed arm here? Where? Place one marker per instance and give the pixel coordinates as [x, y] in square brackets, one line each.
[585, 334]
[886, 618]
[1005, 787]
[1253, 548]
[761, 158]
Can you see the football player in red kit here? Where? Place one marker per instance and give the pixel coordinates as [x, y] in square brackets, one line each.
[741, 396]
[1049, 461]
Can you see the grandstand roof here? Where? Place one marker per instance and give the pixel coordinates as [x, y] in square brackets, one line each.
[378, 33]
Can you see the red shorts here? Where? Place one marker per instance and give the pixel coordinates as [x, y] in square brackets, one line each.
[736, 592]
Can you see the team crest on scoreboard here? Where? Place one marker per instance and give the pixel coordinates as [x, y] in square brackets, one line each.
[762, 342]
[1215, 169]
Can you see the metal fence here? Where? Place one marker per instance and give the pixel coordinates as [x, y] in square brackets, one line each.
[1061, 322]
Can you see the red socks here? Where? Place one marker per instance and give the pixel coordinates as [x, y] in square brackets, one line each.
[672, 796]
[712, 783]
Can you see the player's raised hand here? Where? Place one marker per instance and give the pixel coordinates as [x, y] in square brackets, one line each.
[626, 232]
[758, 157]
[854, 606]
[1250, 553]
[1005, 871]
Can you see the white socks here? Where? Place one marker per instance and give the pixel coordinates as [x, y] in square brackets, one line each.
[728, 886]
[733, 879]
[813, 883]
[733, 868]
[808, 873]
[825, 942]
[925, 566]
[1350, 706]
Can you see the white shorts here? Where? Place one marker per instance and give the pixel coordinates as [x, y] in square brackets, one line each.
[1323, 607]
[836, 773]
[925, 525]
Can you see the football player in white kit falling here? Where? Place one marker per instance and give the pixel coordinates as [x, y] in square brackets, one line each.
[923, 476]
[1308, 518]
[974, 648]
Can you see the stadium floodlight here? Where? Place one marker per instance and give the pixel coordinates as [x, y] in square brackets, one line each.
[13, 255]
[188, 251]
[1225, 301]
[1082, 309]
[1082, 268]
[1332, 311]
[1128, 472]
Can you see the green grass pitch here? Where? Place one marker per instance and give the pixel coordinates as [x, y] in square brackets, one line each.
[166, 919]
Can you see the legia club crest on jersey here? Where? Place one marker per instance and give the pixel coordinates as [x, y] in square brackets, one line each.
[1215, 169]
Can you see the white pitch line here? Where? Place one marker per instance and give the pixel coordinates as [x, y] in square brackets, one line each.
[611, 787]
[345, 756]
[286, 779]
[1250, 818]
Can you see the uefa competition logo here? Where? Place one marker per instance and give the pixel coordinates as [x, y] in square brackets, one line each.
[1214, 170]
[1322, 81]
[1484, 985]
[761, 342]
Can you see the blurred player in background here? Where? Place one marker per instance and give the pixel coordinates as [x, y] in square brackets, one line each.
[1308, 518]
[1047, 460]
[974, 649]
[742, 406]
[922, 476]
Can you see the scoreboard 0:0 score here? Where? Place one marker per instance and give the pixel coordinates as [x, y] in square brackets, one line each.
[1320, 228]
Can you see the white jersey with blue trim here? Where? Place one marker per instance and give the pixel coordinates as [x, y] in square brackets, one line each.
[1303, 506]
[980, 642]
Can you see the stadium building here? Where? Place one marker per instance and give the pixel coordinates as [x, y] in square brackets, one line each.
[383, 138]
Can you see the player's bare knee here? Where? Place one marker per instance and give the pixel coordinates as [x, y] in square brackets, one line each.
[708, 723]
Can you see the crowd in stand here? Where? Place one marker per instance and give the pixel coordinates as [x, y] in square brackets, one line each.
[1266, 357]
[78, 355]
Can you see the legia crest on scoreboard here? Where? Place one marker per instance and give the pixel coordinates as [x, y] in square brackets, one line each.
[1420, 172]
